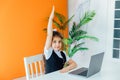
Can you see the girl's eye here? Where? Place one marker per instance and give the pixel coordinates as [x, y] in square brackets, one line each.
[59, 41]
[54, 41]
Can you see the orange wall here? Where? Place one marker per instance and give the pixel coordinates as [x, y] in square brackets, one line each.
[21, 32]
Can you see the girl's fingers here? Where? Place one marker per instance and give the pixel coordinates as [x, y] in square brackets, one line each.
[52, 13]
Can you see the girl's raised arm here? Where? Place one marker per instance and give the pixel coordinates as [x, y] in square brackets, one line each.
[49, 30]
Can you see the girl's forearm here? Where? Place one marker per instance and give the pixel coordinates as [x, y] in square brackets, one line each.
[71, 66]
[68, 68]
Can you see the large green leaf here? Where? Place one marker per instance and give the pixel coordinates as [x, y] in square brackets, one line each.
[87, 18]
[86, 37]
[73, 27]
[67, 41]
[78, 45]
[66, 22]
[60, 17]
[56, 24]
[78, 33]
[73, 30]
[74, 50]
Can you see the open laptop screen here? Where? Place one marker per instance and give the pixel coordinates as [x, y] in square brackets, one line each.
[94, 66]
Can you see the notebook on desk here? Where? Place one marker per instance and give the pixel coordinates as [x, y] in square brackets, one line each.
[94, 66]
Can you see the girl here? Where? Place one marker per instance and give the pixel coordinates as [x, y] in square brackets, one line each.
[54, 57]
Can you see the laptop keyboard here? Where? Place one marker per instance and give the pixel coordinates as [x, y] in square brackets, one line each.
[84, 73]
[81, 71]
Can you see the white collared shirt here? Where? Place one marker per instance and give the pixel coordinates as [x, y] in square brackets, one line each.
[48, 53]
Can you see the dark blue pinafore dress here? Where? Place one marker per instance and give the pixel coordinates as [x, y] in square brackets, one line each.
[55, 63]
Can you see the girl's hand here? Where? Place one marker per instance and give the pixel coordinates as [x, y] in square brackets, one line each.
[52, 13]
[63, 70]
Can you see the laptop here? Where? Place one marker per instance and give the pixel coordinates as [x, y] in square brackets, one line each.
[94, 66]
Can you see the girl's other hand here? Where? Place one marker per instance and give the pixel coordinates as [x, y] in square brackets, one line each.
[63, 70]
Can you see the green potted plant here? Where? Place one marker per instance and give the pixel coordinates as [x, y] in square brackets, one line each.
[76, 34]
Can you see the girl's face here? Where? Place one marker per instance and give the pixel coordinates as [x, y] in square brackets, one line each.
[56, 43]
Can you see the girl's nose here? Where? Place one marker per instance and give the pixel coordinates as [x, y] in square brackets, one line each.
[57, 43]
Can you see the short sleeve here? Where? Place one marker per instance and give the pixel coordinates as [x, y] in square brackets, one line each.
[48, 52]
[67, 57]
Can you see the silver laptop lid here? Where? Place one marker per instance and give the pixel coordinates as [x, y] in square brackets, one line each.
[95, 64]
